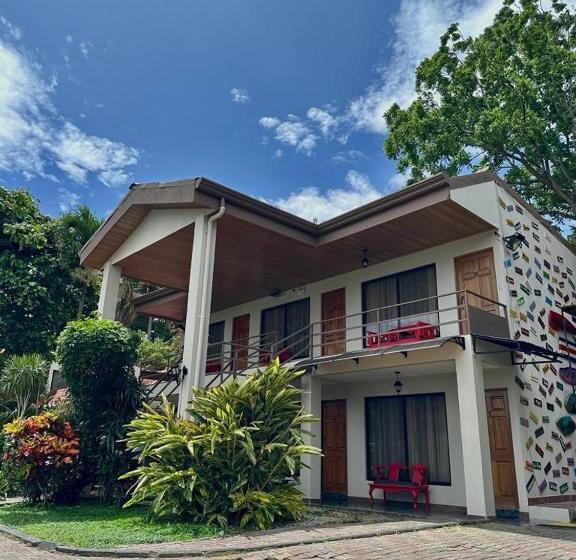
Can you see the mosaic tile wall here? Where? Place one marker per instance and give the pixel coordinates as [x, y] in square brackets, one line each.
[541, 277]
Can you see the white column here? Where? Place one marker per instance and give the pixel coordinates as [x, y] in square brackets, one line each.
[474, 433]
[109, 291]
[311, 479]
[204, 316]
[193, 312]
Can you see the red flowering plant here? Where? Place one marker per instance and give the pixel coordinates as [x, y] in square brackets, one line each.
[45, 449]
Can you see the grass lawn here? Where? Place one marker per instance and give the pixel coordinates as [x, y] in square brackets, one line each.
[94, 525]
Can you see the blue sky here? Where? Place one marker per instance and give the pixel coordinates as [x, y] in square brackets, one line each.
[279, 99]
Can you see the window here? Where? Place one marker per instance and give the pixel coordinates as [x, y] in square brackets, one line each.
[284, 329]
[382, 300]
[215, 340]
[409, 430]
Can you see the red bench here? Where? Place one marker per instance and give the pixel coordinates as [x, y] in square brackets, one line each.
[412, 332]
[388, 480]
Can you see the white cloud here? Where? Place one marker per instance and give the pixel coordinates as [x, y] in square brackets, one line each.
[293, 132]
[239, 95]
[14, 31]
[67, 199]
[86, 48]
[313, 204]
[69, 39]
[399, 180]
[278, 153]
[325, 120]
[35, 140]
[269, 122]
[348, 156]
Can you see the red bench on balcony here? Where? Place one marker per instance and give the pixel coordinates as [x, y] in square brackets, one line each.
[388, 480]
[412, 332]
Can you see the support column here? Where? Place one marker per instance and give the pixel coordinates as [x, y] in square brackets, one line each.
[474, 433]
[109, 291]
[193, 312]
[311, 479]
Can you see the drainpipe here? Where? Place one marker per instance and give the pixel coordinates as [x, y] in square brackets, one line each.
[210, 226]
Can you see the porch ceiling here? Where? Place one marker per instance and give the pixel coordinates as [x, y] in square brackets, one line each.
[253, 261]
[387, 374]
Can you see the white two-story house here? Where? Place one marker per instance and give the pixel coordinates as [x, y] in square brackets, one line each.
[434, 326]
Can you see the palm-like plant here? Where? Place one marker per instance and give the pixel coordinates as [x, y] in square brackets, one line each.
[77, 227]
[22, 381]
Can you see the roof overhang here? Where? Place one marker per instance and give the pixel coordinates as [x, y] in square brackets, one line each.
[261, 250]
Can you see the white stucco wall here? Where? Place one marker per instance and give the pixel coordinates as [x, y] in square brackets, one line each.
[355, 394]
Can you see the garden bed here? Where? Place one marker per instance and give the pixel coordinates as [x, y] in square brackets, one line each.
[94, 525]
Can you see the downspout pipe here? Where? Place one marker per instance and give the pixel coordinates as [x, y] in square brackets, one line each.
[206, 276]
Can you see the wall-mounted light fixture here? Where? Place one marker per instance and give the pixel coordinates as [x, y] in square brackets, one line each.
[365, 258]
[397, 383]
[514, 241]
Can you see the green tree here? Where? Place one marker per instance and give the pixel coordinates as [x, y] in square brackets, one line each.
[504, 100]
[97, 362]
[76, 227]
[37, 294]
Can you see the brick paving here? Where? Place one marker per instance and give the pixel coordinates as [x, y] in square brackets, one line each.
[282, 537]
[482, 542]
[474, 542]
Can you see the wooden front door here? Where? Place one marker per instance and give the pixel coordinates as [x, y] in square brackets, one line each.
[334, 322]
[501, 451]
[475, 273]
[240, 339]
[334, 461]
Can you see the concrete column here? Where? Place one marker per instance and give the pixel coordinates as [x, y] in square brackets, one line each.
[204, 316]
[109, 291]
[311, 479]
[474, 433]
[193, 312]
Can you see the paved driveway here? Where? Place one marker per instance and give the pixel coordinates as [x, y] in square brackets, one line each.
[479, 542]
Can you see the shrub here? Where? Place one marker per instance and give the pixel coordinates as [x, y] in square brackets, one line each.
[22, 381]
[42, 450]
[97, 361]
[158, 354]
[236, 462]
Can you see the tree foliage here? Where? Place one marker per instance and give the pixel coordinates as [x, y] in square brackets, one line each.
[237, 462]
[76, 227]
[97, 361]
[38, 293]
[504, 100]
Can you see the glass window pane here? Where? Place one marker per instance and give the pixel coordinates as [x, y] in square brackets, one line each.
[427, 435]
[379, 295]
[417, 285]
[215, 339]
[385, 432]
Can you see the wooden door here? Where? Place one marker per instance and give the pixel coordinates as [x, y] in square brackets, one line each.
[334, 461]
[240, 339]
[501, 450]
[476, 273]
[334, 322]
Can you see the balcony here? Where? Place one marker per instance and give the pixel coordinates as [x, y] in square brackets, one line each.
[375, 331]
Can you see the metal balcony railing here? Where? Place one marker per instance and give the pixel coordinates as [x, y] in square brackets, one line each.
[453, 314]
